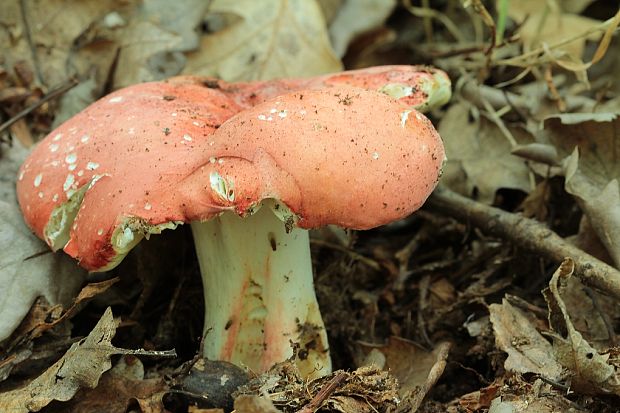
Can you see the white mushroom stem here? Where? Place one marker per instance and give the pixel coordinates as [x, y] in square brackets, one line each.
[259, 293]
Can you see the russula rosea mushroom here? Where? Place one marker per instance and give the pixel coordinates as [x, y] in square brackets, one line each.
[149, 157]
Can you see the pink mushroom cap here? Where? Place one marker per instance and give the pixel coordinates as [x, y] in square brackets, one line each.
[149, 157]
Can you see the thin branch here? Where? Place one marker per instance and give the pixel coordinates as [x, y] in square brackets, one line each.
[51, 95]
[528, 234]
[324, 393]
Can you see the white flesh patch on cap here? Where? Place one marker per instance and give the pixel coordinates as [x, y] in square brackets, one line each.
[403, 117]
[57, 230]
[58, 227]
[397, 90]
[438, 91]
[223, 188]
[129, 233]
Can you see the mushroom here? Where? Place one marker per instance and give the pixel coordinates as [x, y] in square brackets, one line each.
[150, 157]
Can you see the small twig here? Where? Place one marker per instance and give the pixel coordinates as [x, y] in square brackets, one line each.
[354, 255]
[51, 95]
[28, 33]
[324, 393]
[527, 234]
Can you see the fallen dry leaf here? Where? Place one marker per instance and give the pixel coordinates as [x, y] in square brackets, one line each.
[479, 159]
[28, 269]
[254, 404]
[543, 23]
[58, 38]
[536, 398]
[416, 370]
[117, 389]
[528, 351]
[591, 372]
[147, 54]
[80, 367]
[592, 169]
[265, 40]
[354, 18]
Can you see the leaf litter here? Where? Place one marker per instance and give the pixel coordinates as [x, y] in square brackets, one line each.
[440, 312]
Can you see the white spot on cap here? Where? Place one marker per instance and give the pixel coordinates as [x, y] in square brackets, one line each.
[403, 117]
[418, 116]
[262, 117]
[375, 155]
[57, 137]
[270, 118]
[53, 147]
[148, 206]
[100, 231]
[91, 166]
[55, 197]
[72, 167]
[21, 175]
[37, 180]
[84, 138]
[80, 172]
[40, 194]
[212, 159]
[302, 112]
[71, 158]
[282, 114]
[187, 137]
[220, 161]
[195, 123]
[173, 114]
[116, 99]
[131, 131]
[55, 163]
[68, 182]
[273, 110]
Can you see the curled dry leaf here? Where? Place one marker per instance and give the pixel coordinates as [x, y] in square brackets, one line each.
[80, 367]
[265, 40]
[591, 372]
[592, 169]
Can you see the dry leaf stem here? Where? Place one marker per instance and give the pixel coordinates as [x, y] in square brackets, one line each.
[527, 234]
